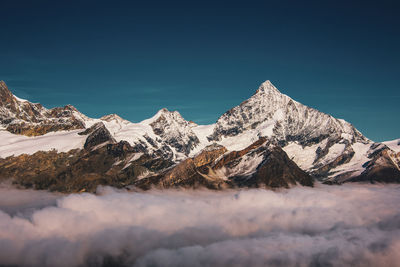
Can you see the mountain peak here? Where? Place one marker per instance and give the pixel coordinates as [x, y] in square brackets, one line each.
[168, 114]
[111, 117]
[267, 87]
[2, 84]
[272, 114]
[164, 114]
[164, 111]
[174, 130]
[23, 117]
[4, 88]
[5, 94]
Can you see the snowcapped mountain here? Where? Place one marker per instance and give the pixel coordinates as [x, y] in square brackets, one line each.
[20, 116]
[324, 147]
[271, 114]
[166, 134]
[316, 141]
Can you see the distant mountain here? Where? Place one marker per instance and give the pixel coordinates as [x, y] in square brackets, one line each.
[271, 114]
[23, 117]
[268, 140]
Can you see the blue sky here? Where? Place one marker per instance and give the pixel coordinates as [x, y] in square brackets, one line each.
[204, 57]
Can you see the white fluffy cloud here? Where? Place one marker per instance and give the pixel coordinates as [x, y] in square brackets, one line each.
[355, 225]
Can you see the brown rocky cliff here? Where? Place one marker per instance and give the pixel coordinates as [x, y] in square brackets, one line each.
[79, 170]
[204, 170]
[382, 168]
[209, 155]
[226, 159]
[276, 171]
[6, 97]
[112, 164]
[190, 173]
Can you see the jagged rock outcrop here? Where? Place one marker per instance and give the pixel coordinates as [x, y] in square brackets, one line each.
[165, 135]
[383, 167]
[259, 165]
[175, 131]
[262, 164]
[277, 170]
[113, 117]
[190, 173]
[209, 154]
[97, 134]
[23, 117]
[322, 169]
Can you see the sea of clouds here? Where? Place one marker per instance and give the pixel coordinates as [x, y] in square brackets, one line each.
[348, 225]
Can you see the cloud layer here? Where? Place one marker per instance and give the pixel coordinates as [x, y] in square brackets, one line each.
[355, 225]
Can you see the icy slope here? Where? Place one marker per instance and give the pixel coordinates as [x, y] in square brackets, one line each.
[62, 141]
[394, 145]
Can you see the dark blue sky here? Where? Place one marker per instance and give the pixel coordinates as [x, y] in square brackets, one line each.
[204, 57]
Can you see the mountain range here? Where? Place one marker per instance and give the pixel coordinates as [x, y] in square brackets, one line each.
[269, 140]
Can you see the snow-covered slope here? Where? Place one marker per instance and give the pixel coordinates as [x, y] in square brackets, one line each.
[393, 145]
[62, 141]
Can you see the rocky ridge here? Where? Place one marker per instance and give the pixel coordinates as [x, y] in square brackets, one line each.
[275, 115]
[269, 140]
[19, 116]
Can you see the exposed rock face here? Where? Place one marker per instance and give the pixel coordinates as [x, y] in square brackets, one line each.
[259, 165]
[190, 173]
[97, 134]
[381, 164]
[23, 117]
[112, 117]
[262, 165]
[235, 155]
[275, 171]
[174, 131]
[165, 135]
[322, 169]
[209, 155]
[80, 170]
[186, 174]
[117, 164]
[383, 167]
